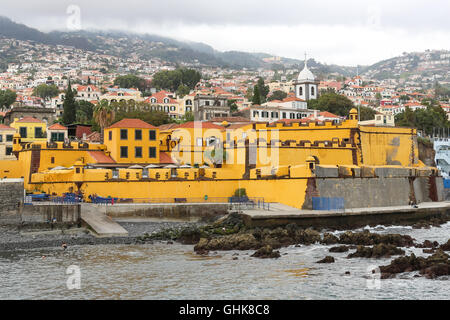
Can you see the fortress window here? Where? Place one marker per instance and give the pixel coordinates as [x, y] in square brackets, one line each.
[52, 159]
[152, 152]
[110, 135]
[138, 152]
[123, 134]
[152, 135]
[23, 132]
[138, 134]
[124, 152]
[38, 132]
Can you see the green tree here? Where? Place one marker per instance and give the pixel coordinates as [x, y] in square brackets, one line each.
[104, 116]
[263, 89]
[183, 90]
[7, 98]
[332, 102]
[366, 113]
[256, 96]
[232, 104]
[277, 95]
[69, 106]
[131, 81]
[423, 119]
[46, 91]
[85, 112]
[171, 80]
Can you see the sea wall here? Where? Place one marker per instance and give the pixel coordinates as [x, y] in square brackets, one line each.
[377, 187]
[48, 213]
[11, 199]
[166, 211]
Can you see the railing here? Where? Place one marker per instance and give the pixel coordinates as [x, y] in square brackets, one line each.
[238, 203]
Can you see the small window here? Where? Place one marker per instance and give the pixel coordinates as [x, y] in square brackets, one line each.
[38, 132]
[138, 134]
[312, 91]
[1, 138]
[52, 159]
[300, 91]
[8, 151]
[152, 135]
[152, 152]
[138, 152]
[124, 152]
[23, 132]
[110, 135]
[123, 134]
[9, 137]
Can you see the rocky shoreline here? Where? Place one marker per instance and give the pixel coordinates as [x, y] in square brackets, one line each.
[13, 238]
[230, 233]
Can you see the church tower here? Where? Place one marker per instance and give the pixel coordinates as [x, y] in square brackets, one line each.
[306, 84]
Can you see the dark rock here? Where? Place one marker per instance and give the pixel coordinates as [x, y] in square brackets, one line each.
[366, 238]
[445, 246]
[329, 238]
[428, 250]
[235, 258]
[434, 266]
[266, 252]
[327, 259]
[377, 251]
[428, 244]
[339, 249]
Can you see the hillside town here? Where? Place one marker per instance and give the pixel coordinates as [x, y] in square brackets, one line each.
[219, 94]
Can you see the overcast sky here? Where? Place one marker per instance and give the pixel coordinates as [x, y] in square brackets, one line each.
[345, 32]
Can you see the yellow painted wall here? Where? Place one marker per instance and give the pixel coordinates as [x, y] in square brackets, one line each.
[113, 145]
[30, 130]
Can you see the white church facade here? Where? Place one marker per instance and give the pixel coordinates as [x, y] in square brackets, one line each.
[306, 84]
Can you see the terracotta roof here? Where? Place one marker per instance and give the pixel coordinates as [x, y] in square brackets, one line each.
[229, 119]
[165, 158]
[100, 157]
[204, 125]
[30, 120]
[93, 137]
[57, 126]
[5, 127]
[132, 123]
[167, 126]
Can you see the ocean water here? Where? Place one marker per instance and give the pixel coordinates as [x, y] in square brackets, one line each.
[173, 271]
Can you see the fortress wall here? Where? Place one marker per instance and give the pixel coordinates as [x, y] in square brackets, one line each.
[11, 198]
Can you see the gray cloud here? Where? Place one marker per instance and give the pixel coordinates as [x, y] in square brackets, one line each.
[368, 29]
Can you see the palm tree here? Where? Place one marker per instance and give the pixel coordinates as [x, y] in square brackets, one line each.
[104, 115]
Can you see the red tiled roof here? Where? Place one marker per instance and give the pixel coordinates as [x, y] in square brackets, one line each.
[30, 120]
[100, 157]
[160, 96]
[203, 125]
[57, 126]
[132, 123]
[167, 126]
[165, 158]
[5, 127]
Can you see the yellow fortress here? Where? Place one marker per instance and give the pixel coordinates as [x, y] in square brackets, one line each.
[289, 163]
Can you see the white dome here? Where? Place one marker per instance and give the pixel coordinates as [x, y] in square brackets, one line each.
[305, 75]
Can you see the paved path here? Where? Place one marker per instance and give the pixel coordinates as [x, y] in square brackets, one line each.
[278, 210]
[102, 225]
